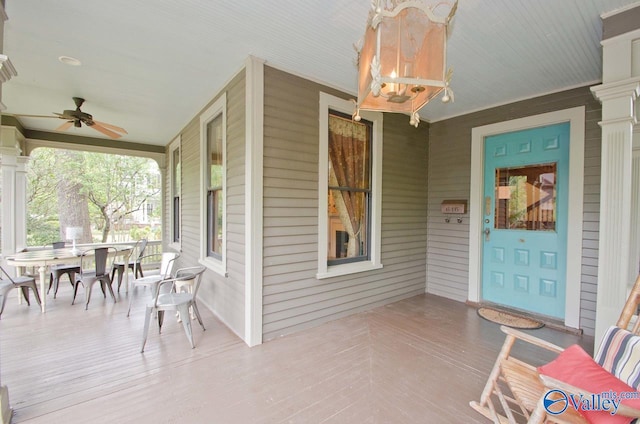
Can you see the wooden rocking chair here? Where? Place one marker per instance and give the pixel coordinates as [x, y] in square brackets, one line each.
[520, 389]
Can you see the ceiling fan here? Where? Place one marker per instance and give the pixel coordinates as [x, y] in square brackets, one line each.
[78, 117]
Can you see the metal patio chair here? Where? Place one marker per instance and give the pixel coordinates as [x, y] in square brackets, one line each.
[24, 283]
[95, 267]
[167, 299]
[58, 271]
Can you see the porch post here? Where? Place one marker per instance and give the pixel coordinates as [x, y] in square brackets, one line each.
[14, 191]
[10, 158]
[618, 94]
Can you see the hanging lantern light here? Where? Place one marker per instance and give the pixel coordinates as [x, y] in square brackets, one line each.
[402, 63]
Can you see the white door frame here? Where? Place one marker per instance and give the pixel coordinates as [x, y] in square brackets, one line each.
[576, 118]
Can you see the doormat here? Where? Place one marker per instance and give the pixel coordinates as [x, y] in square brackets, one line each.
[509, 319]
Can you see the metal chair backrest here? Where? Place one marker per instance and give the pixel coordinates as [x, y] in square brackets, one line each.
[7, 274]
[100, 256]
[183, 274]
[194, 272]
[166, 265]
[141, 245]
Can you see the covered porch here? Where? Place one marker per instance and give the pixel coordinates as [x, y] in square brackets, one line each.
[417, 360]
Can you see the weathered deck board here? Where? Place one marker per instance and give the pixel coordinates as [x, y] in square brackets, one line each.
[418, 360]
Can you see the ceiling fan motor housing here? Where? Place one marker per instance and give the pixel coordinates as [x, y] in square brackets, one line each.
[77, 116]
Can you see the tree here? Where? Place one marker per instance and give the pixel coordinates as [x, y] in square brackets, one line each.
[117, 186]
[73, 208]
[42, 186]
[88, 190]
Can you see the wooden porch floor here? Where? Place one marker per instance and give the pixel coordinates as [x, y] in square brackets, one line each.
[419, 360]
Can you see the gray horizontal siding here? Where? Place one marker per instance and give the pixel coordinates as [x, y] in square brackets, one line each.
[449, 175]
[224, 296]
[293, 298]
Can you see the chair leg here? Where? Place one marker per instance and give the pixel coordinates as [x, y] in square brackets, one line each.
[160, 320]
[107, 282]
[75, 291]
[121, 272]
[87, 295]
[34, 287]
[56, 282]
[4, 300]
[186, 322]
[147, 319]
[116, 268]
[130, 300]
[195, 309]
[25, 294]
[72, 278]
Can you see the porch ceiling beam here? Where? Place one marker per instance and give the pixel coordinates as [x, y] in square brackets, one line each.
[11, 121]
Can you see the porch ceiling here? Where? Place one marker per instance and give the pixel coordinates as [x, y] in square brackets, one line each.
[150, 66]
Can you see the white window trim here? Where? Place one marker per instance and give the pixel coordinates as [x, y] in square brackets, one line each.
[345, 106]
[173, 146]
[218, 107]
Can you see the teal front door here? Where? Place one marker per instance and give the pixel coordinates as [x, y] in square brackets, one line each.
[526, 177]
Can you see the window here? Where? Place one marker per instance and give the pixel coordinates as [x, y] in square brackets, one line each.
[349, 189]
[526, 198]
[213, 149]
[215, 192]
[176, 173]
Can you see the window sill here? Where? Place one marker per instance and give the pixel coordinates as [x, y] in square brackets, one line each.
[175, 246]
[214, 265]
[346, 269]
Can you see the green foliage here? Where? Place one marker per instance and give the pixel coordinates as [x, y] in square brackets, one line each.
[150, 233]
[42, 232]
[115, 186]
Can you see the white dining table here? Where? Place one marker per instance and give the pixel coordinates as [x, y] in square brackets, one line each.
[44, 258]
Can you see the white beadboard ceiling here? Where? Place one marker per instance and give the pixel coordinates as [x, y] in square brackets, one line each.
[151, 65]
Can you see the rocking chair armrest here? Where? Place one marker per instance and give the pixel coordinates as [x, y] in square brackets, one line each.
[531, 339]
[555, 384]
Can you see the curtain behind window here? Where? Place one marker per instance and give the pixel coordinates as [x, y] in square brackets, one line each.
[349, 153]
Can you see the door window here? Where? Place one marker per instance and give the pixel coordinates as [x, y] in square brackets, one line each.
[526, 198]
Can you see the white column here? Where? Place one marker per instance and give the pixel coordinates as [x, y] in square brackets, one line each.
[634, 242]
[21, 202]
[254, 99]
[8, 167]
[618, 117]
[10, 164]
[7, 71]
[619, 94]
[14, 191]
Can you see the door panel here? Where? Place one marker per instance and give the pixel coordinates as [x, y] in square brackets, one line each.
[525, 219]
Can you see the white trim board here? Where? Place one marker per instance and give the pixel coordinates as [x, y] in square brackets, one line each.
[576, 118]
[254, 204]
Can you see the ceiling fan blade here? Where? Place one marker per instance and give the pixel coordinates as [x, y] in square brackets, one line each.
[34, 116]
[112, 127]
[64, 126]
[98, 127]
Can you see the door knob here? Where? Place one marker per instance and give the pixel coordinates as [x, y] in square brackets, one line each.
[487, 234]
